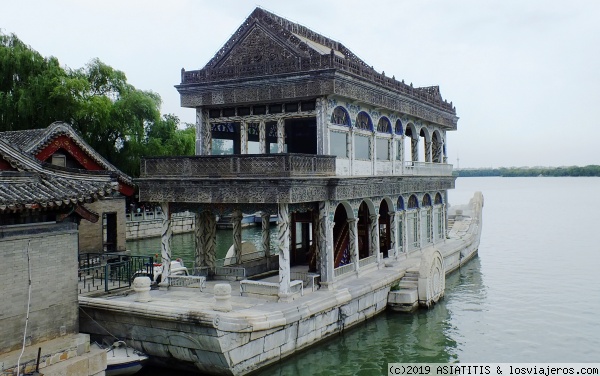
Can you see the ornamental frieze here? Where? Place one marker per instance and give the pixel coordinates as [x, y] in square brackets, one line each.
[271, 191]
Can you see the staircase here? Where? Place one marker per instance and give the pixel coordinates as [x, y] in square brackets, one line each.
[406, 299]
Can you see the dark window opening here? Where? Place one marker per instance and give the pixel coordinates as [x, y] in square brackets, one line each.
[291, 107]
[228, 112]
[308, 106]
[243, 111]
[109, 232]
[301, 136]
[214, 113]
[259, 110]
[275, 109]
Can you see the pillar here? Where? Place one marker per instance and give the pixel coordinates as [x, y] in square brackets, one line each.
[353, 241]
[243, 138]
[427, 151]
[199, 253]
[165, 244]
[262, 137]
[374, 234]
[266, 237]
[325, 245]
[236, 221]
[393, 240]
[322, 128]
[203, 134]
[414, 148]
[283, 235]
[209, 238]
[280, 135]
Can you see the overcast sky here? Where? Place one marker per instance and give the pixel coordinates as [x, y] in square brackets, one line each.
[523, 74]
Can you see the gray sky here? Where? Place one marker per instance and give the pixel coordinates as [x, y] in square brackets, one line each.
[523, 74]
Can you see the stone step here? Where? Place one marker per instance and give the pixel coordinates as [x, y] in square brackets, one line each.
[407, 284]
[403, 296]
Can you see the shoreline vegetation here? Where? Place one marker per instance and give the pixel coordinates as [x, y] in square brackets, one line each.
[591, 170]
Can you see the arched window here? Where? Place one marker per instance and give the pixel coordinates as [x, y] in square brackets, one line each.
[427, 200]
[438, 199]
[340, 116]
[384, 125]
[400, 203]
[413, 202]
[363, 121]
[398, 127]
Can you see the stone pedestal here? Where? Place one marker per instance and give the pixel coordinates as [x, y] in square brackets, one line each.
[141, 286]
[222, 297]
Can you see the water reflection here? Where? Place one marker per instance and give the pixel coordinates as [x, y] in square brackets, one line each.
[183, 244]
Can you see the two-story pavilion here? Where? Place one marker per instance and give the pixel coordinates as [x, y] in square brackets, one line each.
[292, 123]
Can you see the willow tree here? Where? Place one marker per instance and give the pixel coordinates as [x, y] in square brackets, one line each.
[119, 121]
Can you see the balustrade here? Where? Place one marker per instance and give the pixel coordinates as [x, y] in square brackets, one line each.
[345, 269]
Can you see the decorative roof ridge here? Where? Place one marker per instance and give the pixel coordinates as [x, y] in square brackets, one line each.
[294, 27]
[286, 30]
[59, 128]
[18, 158]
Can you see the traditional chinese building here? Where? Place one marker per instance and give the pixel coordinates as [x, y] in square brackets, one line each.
[292, 123]
[41, 206]
[60, 145]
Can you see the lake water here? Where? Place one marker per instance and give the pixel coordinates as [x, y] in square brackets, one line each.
[532, 294]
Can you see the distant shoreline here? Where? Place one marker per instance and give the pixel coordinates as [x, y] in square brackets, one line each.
[592, 170]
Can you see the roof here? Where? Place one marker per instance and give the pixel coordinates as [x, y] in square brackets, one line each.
[267, 46]
[36, 185]
[299, 40]
[32, 141]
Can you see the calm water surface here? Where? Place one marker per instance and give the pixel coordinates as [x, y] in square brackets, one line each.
[532, 295]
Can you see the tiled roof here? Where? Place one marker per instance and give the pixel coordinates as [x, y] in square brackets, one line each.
[37, 185]
[31, 141]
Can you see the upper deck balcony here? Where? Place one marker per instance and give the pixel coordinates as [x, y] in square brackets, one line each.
[278, 166]
[240, 165]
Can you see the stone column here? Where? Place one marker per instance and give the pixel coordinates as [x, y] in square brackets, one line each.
[199, 254]
[350, 149]
[373, 151]
[325, 245]
[283, 235]
[203, 134]
[414, 148]
[374, 234]
[209, 239]
[322, 129]
[236, 220]
[402, 239]
[266, 237]
[280, 135]
[353, 241]
[444, 221]
[165, 244]
[427, 151]
[243, 138]
[393, 240]
[262, 137]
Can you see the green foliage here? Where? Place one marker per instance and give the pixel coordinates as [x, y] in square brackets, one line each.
[591, 170]
[119, 121]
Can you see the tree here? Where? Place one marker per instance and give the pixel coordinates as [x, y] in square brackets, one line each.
[119, 121]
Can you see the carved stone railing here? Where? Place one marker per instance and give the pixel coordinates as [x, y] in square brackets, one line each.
[228, 272]
[330, 61]
[268, 288]
[239, 165]
[345, 269]
[427, 169]
[187, 281]
[367, 261]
